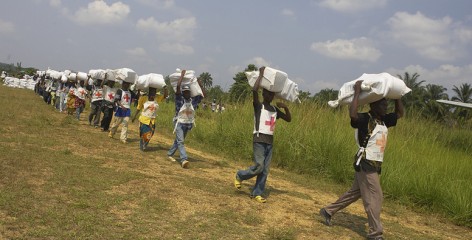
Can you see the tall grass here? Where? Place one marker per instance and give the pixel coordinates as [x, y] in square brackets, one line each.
[426, 164]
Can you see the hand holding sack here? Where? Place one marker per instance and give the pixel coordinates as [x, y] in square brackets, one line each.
[275, 81]
[374, 88]
[189, 79]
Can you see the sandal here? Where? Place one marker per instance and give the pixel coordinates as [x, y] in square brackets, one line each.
[237, 184]
[260, 199]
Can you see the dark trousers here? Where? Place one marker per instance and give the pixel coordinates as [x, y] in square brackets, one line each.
[95, 112]
[107, 116]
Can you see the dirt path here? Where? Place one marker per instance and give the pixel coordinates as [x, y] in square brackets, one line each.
[292, 209]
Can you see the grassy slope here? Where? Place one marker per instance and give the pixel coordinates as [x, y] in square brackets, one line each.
[61, 179]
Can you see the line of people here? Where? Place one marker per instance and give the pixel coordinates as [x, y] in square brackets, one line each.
[371, 136]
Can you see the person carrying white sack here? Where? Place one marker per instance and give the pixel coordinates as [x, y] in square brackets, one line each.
[265, 116]
[371, 135]
[96, 102]
[123, 112]
[184, 119]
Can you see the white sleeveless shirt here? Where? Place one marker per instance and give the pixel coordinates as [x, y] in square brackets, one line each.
[150, 109]
[266, 122]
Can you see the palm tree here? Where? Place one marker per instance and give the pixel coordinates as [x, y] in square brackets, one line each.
[206, 79]
[415, 98]
[433, 109]
[463, 93]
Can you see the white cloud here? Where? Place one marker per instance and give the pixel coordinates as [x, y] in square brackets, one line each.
[158, 4]
[446, 75]
[287, 12]
[180, 30]
[138, 52]
[355, 49]
[176, 48]
[98, 12]
[55, 3]
[6, 27]
[232, 70]
[259, 62]
[437, 39]
[352, 5]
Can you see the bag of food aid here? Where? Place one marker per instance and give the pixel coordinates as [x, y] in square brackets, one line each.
[374, 87]
[289, 91]
[72, 77]
[110, 75]
[126, 75]
[195, 89]
[150, 80]
[273, 79]
[97, 73]
[189, 77]
[81, 76]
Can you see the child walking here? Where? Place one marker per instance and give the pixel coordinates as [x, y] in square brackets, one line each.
[265, 116]
[123, 112]
[147, 120]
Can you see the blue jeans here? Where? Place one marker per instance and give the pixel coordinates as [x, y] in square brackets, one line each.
[180, 134]
[78, 111]
[262, 158]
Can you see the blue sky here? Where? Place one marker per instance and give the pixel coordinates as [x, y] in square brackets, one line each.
[319, 43]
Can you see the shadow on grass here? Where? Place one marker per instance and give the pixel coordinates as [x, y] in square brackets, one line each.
[156, 149]
[350, 221]
[270, 190]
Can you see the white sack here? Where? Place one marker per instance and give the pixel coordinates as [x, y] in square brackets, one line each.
[289, 92]
[195, 89]
[72, 77]
[97, 73]
[273, 80]
[64, 78]
[110, 75]
[82, 76]
[126, 74]
[150, 80]
[189, 77]
[374, 88]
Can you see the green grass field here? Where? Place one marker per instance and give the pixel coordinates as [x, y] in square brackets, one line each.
[62, 179]
[426, 165]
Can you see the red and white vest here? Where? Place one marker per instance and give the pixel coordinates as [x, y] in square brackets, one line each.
[109, 94]
[150, 109]
[97, 94]
[266, 122]
[125, 98]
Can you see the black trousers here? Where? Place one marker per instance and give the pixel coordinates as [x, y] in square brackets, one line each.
[107, 116]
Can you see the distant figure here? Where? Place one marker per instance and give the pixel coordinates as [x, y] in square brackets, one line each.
[222, 108]
[371, 135]
[213, 105]
[96, 102]
[265, 116]
[80, 94]
[108, 106]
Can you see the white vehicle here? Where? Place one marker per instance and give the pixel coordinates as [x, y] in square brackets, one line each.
[458, 104]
